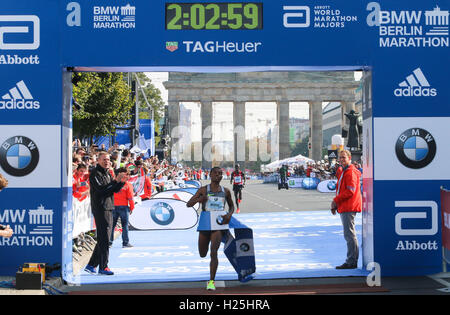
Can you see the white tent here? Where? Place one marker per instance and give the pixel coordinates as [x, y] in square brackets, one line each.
[272, 166]
[302, 160]
[295, 160]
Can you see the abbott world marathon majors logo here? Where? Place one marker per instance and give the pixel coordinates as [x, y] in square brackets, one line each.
[415, 84]
[36, 231]
[318, 16]
[19, 33]
[19, 97]
[410, 28]
[415, 148]
[19, 156]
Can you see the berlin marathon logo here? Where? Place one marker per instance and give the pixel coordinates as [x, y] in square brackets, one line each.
[114, 17]
[19, 97]
[410, 28]
[415, 148]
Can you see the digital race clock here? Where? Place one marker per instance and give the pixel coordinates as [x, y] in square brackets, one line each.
[214, 16]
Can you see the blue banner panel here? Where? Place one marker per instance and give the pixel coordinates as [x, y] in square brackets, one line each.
[297, 32]
[35, 216]
[407, 226]
[30, 80]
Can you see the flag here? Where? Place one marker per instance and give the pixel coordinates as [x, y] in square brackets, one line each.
[240, 249]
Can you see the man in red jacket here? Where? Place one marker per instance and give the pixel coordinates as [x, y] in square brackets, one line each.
[123, 206]
[348, 203]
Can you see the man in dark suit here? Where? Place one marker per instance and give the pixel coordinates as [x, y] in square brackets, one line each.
[103, 186]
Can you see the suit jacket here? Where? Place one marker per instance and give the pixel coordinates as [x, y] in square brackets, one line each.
[103, 187]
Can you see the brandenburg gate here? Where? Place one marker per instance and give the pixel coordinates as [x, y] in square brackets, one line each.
[282, 88]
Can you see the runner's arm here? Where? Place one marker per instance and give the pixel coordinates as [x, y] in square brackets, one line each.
[200, 196]
[230, 203]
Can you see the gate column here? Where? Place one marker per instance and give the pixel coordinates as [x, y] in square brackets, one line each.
[316, 130]
[239, 133]
[283, 131]
[206, 113]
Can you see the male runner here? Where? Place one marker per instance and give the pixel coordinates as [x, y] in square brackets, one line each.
[238, 181]
[214, 219]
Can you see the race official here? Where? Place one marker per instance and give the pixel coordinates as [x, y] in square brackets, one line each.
[348, 202]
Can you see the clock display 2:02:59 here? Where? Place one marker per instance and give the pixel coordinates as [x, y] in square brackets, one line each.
[214, 16]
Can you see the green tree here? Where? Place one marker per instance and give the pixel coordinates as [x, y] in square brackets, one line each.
[105, 103]
[301, 147]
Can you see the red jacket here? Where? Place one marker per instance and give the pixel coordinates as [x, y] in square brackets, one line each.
[80, 184]
[147, 188]
[125, 196]
[348, 190]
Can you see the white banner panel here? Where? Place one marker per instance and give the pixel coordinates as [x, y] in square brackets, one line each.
[176, 194]
[411, 148]
[163, 214]
[82, 216]
[327, 186]
[295, 182]
[30, 155]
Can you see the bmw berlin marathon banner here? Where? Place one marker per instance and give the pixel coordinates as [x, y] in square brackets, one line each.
[401, 47]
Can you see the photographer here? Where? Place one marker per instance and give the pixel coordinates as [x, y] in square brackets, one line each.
[5, 231]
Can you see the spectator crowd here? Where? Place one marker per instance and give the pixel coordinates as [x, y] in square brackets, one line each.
[157, 172]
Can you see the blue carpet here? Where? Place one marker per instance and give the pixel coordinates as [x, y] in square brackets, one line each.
[287, 245]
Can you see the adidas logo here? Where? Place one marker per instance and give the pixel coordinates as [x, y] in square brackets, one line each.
[19, 97]
[415, 85]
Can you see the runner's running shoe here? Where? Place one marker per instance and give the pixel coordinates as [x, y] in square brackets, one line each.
[237, 210]
[211, 286]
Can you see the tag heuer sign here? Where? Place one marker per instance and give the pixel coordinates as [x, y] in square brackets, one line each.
[171, 46]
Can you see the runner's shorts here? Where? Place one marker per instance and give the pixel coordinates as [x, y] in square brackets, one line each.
[237, 188]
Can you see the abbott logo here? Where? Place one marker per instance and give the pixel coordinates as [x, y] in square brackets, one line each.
[401, 216]
[20, 29]
[416, 84]
[301, 14]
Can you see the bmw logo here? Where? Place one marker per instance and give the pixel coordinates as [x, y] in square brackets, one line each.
[244, 247]
[162, 213]
[331, 185]
[415, 148]
[19, 156]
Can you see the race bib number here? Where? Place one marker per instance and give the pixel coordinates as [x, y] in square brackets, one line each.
[215, 203]
[237, 179]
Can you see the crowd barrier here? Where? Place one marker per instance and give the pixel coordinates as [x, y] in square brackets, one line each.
[83, 220]
[324, 186]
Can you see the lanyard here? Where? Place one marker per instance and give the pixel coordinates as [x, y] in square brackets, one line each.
[340, 180]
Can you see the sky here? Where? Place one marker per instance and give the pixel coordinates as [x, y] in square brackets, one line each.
[259, 116]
